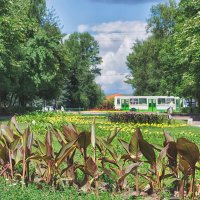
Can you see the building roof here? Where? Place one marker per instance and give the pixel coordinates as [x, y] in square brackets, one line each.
[113, 95]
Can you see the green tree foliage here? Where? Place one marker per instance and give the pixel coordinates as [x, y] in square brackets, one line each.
[162, 20]
[29, 56]
[144, 62]
[187, 45]
[13, 32]
[34, 62]
[180, 54]
[81, 89]
[175, 33]
[144, 66]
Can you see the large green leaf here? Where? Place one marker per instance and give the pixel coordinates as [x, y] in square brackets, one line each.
[125, 145]
[16, 144]
[113, 134]
[65, 151]
[25, 137]
[41, 146]
[160, 160]
[60, 137]
[18, 156]
[110, 148]
[7, 133]
[13, 121]
[134, 143]
[128, 170]
[188, 151]
[148, 151]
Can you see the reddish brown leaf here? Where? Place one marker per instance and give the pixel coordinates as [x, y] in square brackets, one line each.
[188, 151]
[91, 168]
[69, 133]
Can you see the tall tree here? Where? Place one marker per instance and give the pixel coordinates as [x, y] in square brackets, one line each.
[31, 53]
[162, 20]
[144, 66]
[144, 62]
[187, 44]
[83, 51]
[34, 62]
[13, 31]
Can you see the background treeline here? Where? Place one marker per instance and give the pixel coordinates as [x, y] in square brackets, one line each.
[37, 64]
[168, 62]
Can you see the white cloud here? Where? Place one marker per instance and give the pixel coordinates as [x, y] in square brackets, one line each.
[115, 40]
[82, 28]
[126, 27]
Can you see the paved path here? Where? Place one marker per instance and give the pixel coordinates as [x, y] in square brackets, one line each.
[3, 117]
[188, 119]
[196, 123]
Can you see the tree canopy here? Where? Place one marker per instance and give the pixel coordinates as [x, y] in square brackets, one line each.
[36, 64]
[170, 57]
[82, 91]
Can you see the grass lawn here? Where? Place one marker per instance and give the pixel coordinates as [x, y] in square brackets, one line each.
[39, 123]
[10, 191]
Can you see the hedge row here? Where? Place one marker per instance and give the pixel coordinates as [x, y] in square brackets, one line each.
[17, 110]
[150, 118]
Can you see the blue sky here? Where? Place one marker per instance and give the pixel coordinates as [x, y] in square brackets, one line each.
[115, 24]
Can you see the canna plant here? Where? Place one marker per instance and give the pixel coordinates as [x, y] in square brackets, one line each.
[81, 141]
[94, 157]
[183, 156]
[188, 157]
[16, 147]
[133, 153]
[118, 170]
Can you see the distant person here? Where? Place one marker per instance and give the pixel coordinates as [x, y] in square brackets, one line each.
[62, 108]
[169, 112]
[171, 107]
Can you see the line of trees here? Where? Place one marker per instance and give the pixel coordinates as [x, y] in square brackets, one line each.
[168, 62]
[37, 64]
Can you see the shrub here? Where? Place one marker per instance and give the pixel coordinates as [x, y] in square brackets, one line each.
[17, 110]
[137, 118]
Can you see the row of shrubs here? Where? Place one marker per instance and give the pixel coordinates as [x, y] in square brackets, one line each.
[150, 118]
[17, 110]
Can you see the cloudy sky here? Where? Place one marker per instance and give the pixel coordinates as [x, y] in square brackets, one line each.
[115, 24]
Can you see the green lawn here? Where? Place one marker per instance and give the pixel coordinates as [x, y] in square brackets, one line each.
[39, 124]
